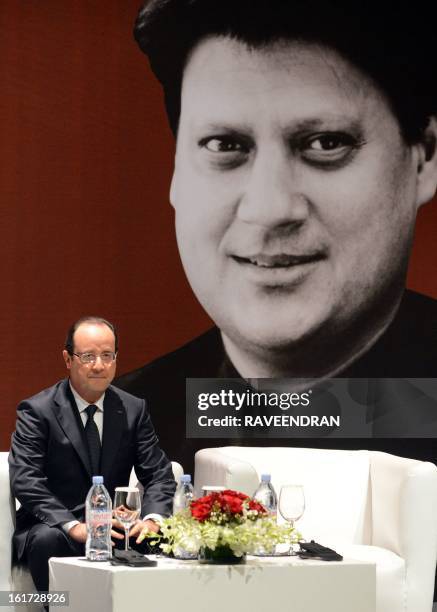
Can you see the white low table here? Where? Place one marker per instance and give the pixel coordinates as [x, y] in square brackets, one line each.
[260, 585]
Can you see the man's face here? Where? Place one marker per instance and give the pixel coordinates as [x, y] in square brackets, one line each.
[295, 194]
[91, 380]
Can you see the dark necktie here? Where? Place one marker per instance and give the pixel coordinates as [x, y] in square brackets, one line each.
[93, 438]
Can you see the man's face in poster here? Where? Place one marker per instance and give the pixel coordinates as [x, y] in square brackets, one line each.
[295, 194]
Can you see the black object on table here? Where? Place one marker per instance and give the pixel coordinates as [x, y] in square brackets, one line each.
[313, 550]
[131, 558]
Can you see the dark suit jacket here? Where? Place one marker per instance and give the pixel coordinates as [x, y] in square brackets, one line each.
[49, 464]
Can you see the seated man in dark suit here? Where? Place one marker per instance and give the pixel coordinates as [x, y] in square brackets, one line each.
[305, 145]
[64, 435]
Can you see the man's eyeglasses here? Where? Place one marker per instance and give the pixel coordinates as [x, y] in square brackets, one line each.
[106, 357]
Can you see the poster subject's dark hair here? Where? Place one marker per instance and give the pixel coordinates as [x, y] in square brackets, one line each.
[390, 41]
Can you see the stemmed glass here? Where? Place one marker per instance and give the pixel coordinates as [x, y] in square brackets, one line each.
[291, 505]
[127, 507]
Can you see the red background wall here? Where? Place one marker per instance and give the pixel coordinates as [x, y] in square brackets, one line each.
[85, 167]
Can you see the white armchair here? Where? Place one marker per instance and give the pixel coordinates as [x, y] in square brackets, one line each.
[18, 578]
[367, 505]
[15, 578]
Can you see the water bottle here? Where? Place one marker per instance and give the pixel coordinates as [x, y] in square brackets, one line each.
[184, 494]
[98, 512]
[266, 495]
[181, 501]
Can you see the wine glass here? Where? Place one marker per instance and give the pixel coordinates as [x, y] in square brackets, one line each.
[127, 507]
[291, 505]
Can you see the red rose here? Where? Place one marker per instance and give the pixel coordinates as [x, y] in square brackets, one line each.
[232, 501]
[232, 505]
[201, 508]
[254, 505]
[241, 496]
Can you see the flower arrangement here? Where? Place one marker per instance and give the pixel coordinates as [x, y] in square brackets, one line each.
[226, 524]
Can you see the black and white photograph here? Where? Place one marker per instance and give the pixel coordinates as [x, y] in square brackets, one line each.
[205, 203]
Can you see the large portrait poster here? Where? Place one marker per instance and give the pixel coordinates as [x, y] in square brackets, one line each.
[292, 208]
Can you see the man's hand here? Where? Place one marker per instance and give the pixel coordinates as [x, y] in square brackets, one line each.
[116, 534]
[78, 533]
[142, 527]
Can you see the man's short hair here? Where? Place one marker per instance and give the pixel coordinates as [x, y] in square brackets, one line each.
[69, 340]
[392, 42]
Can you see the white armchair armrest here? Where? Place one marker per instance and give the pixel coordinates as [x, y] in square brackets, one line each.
[404, 519]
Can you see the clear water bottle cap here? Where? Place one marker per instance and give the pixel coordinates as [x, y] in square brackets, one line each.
[97, 479]
[265, 478]
[186, 478]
